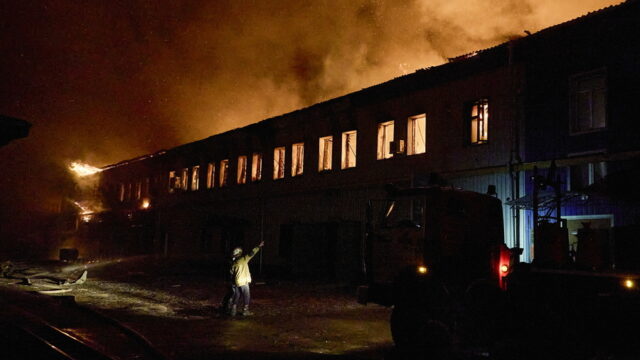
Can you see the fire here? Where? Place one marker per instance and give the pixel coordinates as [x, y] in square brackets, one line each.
[146, 203]
[83, 170]
[84, 209]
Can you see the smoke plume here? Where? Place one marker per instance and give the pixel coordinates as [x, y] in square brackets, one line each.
[104, 81]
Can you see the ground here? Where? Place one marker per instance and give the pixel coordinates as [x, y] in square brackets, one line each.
[173, 304]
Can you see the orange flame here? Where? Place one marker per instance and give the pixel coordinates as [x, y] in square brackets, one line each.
[84, 209]
[146, 203]
[83, 170]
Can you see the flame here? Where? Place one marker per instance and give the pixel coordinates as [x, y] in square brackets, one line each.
[146, 203]
[83, 170]
[84, 209]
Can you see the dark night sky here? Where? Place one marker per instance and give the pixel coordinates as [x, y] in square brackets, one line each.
[103, 81]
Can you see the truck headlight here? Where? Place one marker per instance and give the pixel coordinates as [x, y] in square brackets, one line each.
[422, 270]
[629, 284]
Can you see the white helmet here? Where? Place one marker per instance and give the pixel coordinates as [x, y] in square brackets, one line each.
[237, 252]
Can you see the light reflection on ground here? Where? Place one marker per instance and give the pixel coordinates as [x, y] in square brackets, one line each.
[176, 312]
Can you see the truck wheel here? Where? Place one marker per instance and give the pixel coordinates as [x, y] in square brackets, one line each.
[416, 333]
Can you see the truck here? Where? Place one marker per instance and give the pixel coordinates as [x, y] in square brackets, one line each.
[437, 256]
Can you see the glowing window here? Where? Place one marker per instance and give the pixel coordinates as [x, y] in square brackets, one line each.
[416, 143]
[195, 178]
[278, 162]
[224, 172]
[325, 148]
[211, 175]
[241, 177]
[138, 190]
[479, 122]
[173, 182]
[297, 159]
[256, 167]
[385, 137]
[348, 155]
[184, 179]
[121, 192]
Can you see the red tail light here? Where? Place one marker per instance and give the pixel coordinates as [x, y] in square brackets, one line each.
[504, 265]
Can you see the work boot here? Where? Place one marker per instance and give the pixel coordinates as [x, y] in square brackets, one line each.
[246, 312]
[232, 310]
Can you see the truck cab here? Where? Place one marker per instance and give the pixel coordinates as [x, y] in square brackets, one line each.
[435, 254]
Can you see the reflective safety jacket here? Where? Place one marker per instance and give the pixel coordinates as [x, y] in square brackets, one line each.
[240, 274]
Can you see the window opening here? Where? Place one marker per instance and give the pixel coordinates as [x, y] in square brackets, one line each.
[297, 159]
[479, 122]
[256, 167]
[325, 148]
[416, 143]
[242, 170]
[184, 179]
[588, 102]
[224, 172]
[211, 175]
[174, 182]
[385, 137]
[278, 162]
[138, 190]
[195, 178]
[349, 139]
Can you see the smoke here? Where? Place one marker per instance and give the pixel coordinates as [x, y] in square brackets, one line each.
[104, 81]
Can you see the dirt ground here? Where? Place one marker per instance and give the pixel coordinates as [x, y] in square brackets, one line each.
[173, 304]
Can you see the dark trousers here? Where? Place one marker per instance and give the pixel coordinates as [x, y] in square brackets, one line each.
[230, 297]
[244, 293]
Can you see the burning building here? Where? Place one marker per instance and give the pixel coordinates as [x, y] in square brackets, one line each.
[300, 181]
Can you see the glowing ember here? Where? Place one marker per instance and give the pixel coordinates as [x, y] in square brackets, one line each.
[82, 170]
[145, 204]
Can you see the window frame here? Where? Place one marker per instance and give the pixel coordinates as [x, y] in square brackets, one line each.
[384, 139]
[411, 138]
[195, 178]
[211, 175]
[325, 153]
[574, 89]
[241, 172]
[297, 159]
[184, 179]
[279, 162]
[223, 173]
[482, 117]
[256, 166]
[344, 158]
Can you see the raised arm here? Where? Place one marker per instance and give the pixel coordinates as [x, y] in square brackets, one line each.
[255, 251]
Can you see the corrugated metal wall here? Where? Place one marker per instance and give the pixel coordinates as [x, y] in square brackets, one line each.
[502, 182]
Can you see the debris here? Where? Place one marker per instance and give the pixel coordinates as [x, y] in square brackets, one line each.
[81, 280]
[7, 269]
[53, 291]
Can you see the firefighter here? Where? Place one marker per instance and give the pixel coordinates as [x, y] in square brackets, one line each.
[241, 278]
